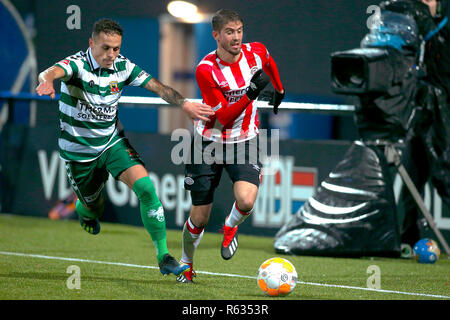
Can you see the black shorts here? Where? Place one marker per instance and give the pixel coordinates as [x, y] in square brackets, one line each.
[208, 159]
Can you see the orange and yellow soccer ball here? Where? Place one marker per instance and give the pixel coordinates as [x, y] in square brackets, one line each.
[277, 277]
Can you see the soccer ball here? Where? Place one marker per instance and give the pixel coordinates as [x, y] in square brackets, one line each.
[277, 277]
[426, 251]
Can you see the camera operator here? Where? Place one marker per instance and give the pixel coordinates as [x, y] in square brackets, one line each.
[427, 153]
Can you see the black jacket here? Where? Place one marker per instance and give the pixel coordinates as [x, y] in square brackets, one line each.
[437, 59]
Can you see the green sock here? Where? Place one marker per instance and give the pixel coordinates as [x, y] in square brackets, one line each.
[152, 214]
[87, 214]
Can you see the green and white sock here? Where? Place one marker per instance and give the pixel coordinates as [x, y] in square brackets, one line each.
[152, 214]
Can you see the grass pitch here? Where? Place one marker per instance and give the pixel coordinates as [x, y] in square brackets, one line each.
[37, 256]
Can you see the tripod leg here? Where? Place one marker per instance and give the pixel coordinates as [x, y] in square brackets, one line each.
[412, 188]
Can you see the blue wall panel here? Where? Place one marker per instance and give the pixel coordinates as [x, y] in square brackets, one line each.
[140, 44]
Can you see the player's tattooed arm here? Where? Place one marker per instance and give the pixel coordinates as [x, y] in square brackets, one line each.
[168, 94]
[194, 110]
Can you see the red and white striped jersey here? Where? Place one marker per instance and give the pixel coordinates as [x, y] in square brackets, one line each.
[223, 84]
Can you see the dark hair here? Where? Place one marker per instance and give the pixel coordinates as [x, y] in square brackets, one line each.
[107, 26]
[222, 17]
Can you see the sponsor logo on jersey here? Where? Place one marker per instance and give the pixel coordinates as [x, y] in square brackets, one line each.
[234, 95]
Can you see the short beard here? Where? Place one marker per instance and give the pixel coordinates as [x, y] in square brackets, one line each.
[230, 51]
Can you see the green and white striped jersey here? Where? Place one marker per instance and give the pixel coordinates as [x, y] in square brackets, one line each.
[88, 104]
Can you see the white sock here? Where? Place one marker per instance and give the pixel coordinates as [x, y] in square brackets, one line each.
[191, 239]
[236, 216]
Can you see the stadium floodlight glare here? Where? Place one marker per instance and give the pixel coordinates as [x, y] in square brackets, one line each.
[184, 10]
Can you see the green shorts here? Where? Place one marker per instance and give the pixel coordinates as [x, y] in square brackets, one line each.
[88, 178]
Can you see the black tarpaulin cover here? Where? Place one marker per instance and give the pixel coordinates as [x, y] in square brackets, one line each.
[352, 212]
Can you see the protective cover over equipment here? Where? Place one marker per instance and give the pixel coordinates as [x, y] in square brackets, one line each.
[437, 142]
[352, 213]
[393, 29]
[388, 115]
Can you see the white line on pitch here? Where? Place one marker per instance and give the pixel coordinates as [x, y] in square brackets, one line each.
[219, 274]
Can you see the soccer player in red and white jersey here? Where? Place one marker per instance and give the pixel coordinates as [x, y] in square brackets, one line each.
[230, 79]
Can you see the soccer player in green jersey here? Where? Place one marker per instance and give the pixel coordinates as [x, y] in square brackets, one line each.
[92, 140]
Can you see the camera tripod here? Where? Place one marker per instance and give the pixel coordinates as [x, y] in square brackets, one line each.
[393, 157]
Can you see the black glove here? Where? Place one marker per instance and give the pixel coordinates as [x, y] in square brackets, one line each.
[257, 84]
[276, 100]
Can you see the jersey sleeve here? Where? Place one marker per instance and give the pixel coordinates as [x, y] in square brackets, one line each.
[213, 96]
[69, 66]
[269, 65]
[137, 76]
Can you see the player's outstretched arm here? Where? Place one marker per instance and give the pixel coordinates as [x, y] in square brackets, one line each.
[194, 110]
[278, 94]
[228, 113]
[46, 79]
